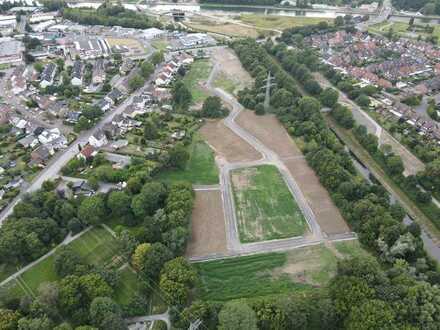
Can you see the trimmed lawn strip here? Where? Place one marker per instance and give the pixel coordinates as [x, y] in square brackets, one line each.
[128, 286]
[200, 169]
[265, 206]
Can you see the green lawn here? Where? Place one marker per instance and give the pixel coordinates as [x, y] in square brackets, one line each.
[401, 29]
[280, 22]
[223, 82]
[201, 167]
[199, 72]
[128, 286]
[297, 271]
[160, 44]
[264, 205]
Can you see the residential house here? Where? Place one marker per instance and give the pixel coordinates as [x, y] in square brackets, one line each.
[104, 105]
[41, 155]
[98, 139]
[72, 117]
[88, 152]
[5, 113]
[48, 75]
[29, 141]
[114, 96]
[111, 130]
[77, 73]
[126, 66]
[81, 187]
[15, 183]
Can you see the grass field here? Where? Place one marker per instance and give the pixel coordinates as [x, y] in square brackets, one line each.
[265, 207]
[401, 29]
[201, 167]
[280, 22]
[198, 72]
[296, 271]
[222, 81]
[160, 44]
[96, 247]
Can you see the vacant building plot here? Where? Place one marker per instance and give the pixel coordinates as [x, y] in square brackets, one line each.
[296, 271]
[226, 143]
[264, 205]
[326, 213]
[272, 134]
[269, 131]
[231, 76]
[208, 235]
[127, 46]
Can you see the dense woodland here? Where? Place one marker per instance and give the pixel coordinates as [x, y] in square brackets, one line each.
[385, 293]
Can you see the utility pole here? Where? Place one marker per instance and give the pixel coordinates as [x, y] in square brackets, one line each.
[269, 84]
[195, 325]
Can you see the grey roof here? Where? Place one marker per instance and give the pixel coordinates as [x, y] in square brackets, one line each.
[77, 69]
[10, 48]
[48, 72]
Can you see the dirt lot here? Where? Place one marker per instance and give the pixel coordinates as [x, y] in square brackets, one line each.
[226, 143]
[230, 65]
[221, 27]
[270, 132]
[326, 213]
[208, 235]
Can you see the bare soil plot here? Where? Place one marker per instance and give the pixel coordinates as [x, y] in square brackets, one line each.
[327, 214]
[270, 132]
[232, 69]
[226, 143]
[220, 26]
[208, 235]
[264, 205]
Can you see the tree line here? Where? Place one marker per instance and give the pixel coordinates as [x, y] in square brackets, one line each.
[365, 293]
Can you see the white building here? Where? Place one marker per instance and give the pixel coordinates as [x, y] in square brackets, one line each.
[98, 139]
[42, 17]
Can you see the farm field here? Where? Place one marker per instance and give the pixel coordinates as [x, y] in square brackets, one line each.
[226, 143]
[197, 74]
[96, 247]
[200, 169]
[296, 271]
[280, 22]
[264, 205]
[208, 235]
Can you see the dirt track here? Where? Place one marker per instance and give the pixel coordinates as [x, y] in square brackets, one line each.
[227, 144]
[208, 236]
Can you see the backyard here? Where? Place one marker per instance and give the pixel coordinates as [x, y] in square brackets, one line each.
[299, 270]
[200, 169]
[265, 206]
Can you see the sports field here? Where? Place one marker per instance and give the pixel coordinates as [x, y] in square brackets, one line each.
[264, 205]
[200, 169]
[297, 271]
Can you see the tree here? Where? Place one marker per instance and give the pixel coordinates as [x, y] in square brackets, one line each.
[181, 96]
[139, 255]
[106, 314]
[157, 58]
[150, 130]
[66, 261]
[339, 21]
[9, 319]
[213, 108]
[119, 203]
[372, 314]
[237, 315]
[312, 87]
[146, 69]
[179, 156]
[153, 260]
[282, 98]
[136, 82]
[40, 323]
[150, 198]
[92, 210]
[329, 96]
[395, 164]
[363, 100]
[259, 109]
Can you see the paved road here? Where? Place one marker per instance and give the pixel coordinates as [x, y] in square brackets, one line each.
[137, 322]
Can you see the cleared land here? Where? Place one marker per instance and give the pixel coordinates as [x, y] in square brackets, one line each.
[232, 76]
[208, 235]
[195, 77]
[299, 270]
[280, 22]
[264, 205]
[201, 167]
[96, 247]
[221, 27]
[272, 134]
[226, 143]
